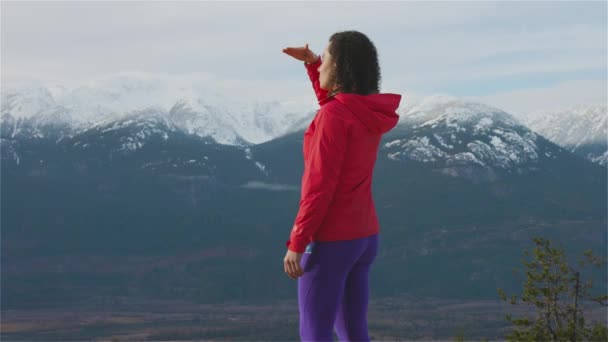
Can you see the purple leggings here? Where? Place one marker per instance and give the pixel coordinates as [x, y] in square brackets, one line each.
[333, 292]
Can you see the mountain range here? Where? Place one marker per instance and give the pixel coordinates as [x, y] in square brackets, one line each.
[196, 199]
[33, 110]
[579, 129]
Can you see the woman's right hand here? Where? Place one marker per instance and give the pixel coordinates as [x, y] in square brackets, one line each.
[301, 53]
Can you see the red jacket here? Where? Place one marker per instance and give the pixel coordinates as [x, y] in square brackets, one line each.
[340, 149]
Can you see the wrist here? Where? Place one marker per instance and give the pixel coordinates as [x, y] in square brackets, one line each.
[314, 61]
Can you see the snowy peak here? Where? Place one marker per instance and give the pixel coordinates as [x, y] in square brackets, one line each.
[198, 117]
[26, 102]
[131, 132]
[450, 109]
[580, 129]
[571, 126]
[193, 106]
[459, 135]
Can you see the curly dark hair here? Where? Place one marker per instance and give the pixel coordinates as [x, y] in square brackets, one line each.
[357, 69]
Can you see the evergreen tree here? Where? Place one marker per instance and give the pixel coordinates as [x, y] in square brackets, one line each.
[556, 290]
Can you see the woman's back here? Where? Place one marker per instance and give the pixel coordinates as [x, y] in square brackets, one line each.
[364, 118]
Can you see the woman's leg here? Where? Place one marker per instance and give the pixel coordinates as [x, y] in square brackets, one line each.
[351, 322]
[321, 287]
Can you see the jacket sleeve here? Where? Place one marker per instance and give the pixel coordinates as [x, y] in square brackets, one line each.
[321, 174]
[313, 74]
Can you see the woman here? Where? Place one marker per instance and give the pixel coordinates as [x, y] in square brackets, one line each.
[334, 239]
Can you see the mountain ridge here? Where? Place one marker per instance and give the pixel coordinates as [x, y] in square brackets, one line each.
[59, 111]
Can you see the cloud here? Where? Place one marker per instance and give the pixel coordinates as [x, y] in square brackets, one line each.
[464, 56]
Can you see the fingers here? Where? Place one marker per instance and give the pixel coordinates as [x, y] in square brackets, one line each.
[290, 274]
[287, 267]
[290, 49]
[293, 268]
[299, 270]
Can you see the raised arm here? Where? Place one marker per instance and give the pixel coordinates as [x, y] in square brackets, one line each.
[305, 54]
[313, 74]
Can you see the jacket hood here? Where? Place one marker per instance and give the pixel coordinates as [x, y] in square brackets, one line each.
[376, 111]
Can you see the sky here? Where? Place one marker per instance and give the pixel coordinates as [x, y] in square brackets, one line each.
[518, 56]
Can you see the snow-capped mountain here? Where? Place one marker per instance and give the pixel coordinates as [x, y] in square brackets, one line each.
[33, 113]
[192, 107]
[465, 138]
[141, 167]
[580, 129]
[140, 144]
[130, 132]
